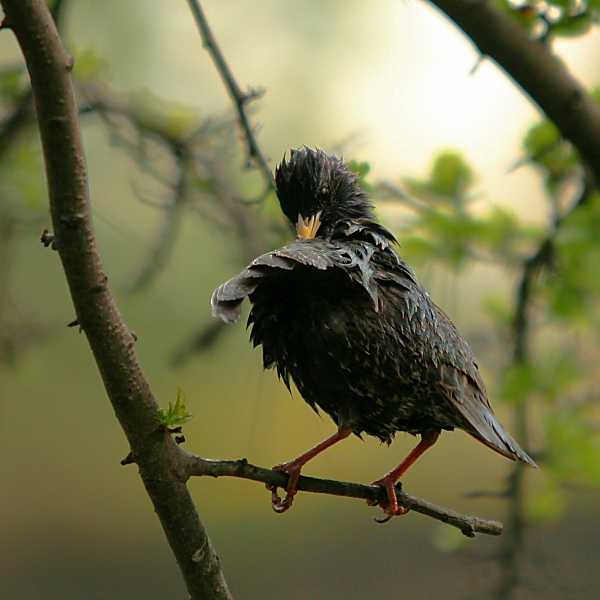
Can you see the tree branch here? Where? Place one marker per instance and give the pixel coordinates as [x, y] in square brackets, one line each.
[112, 343]
[533, 68]
[240, 99]
[242, 468]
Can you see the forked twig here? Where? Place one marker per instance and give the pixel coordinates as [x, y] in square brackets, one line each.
[240, 99]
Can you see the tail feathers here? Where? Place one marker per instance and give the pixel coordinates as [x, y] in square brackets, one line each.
[494, 436]
[479, 420]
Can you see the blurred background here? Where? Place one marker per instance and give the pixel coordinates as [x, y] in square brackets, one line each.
[390, 84]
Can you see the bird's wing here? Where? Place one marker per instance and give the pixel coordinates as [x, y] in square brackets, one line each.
[448, 360]
[459, 382]
[227, 299]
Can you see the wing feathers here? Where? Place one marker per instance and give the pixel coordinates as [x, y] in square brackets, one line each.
[227, 299]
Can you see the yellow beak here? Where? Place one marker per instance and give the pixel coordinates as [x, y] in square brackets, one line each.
[308, 229]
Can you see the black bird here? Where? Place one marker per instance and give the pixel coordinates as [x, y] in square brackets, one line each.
[340, 314]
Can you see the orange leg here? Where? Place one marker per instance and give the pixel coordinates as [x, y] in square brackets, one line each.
[294, 467]
[391, 507]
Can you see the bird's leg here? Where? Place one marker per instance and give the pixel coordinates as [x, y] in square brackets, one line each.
[391, 507]
[294, 467]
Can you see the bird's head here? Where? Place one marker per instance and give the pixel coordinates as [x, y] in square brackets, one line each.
[320, 195]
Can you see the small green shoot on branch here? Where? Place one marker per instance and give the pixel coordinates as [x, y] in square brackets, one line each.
[177, 414]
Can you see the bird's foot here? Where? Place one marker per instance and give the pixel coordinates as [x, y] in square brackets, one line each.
[293, 469]
[391, 508]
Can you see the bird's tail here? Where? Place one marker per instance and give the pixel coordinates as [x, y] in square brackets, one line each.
[488, 430]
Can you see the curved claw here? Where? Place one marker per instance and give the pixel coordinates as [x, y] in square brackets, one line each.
[294, 467]
[400, 510]
[382, 519]
[280, 508]
[391, 508]
[279, 505]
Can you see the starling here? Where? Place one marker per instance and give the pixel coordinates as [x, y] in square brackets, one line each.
[342, 316]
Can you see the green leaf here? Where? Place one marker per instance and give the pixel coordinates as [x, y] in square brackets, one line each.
[22, 186]
[572, 26]
[176, 414]
[449, 179]
[450, 175]
[541, 137]
[546, 148]
[166, 119]
[498, 308]
[558, 372]
[360, 167]
[573, 286]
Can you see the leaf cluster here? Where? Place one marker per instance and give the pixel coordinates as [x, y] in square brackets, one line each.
[447, 222]
[558, 18]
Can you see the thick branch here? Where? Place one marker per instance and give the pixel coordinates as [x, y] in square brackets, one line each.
[112, 343]
[532, 67]
[242, 468]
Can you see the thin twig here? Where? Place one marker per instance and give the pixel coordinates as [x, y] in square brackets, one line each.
[239, 98]
[192, 165]
[469, 526]
[166, 237]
